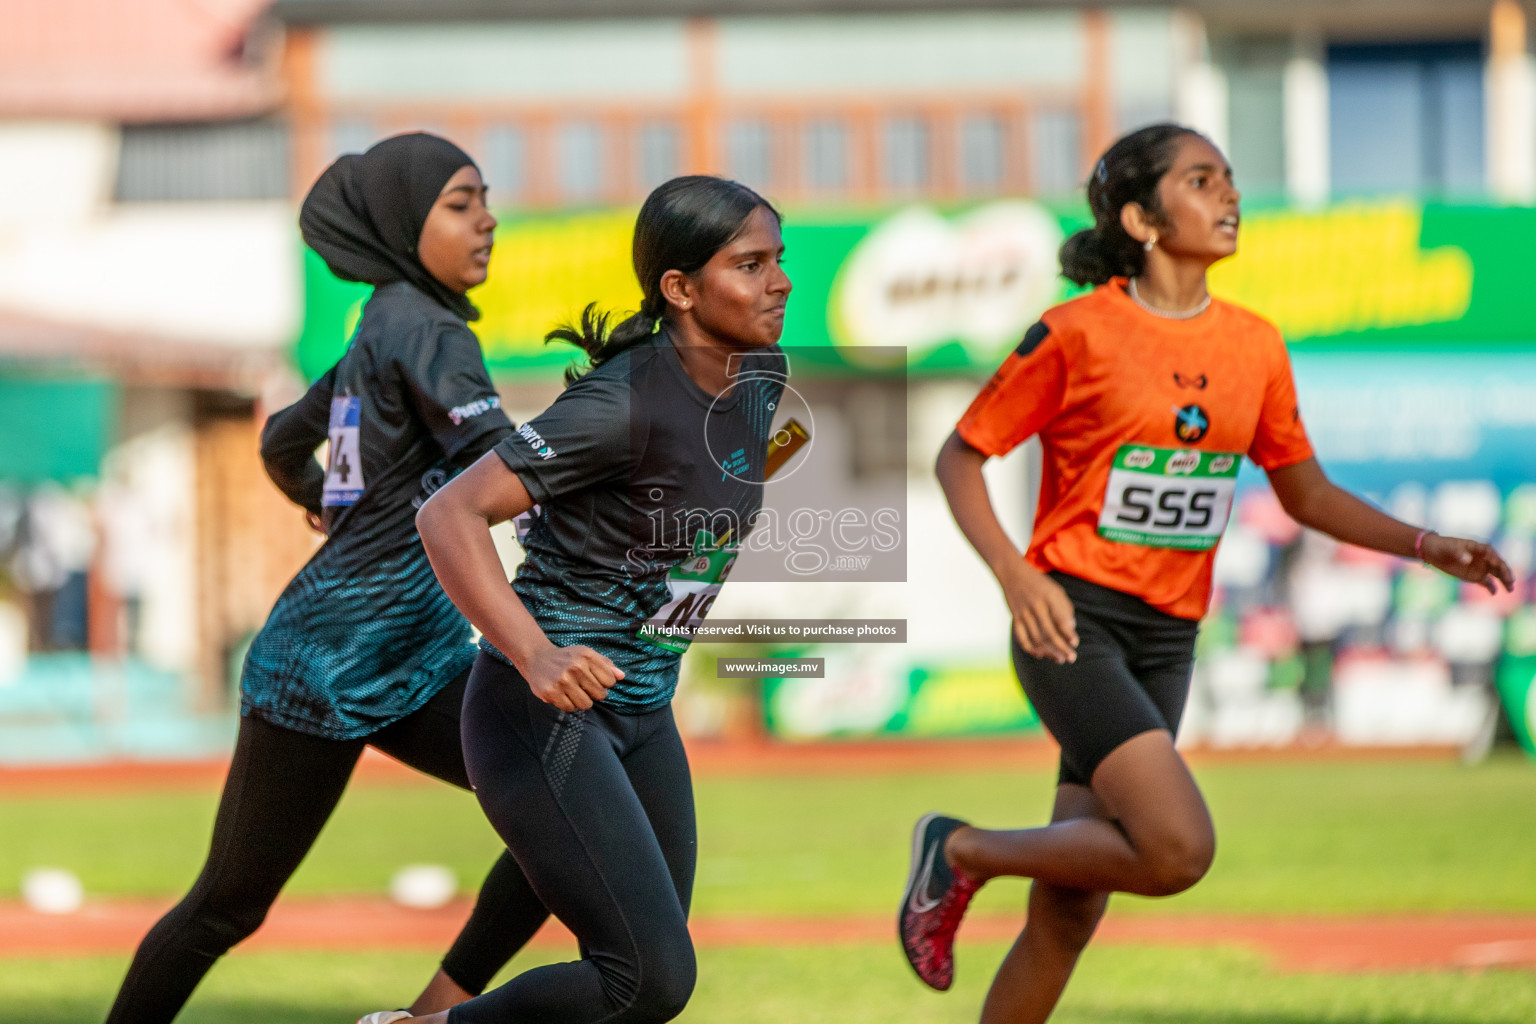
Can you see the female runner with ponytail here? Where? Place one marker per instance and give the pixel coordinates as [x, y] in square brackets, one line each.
[1145, 393]
[647, 471]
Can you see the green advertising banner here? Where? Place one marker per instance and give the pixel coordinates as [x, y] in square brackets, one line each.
[957, 287]
[1517, 689]
[1516, 679]
[948, 700]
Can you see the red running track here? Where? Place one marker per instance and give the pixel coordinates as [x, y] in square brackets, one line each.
[1333, 944]
[707, 758]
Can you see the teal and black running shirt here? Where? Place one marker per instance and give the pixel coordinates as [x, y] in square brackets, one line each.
[364, 635]
[645, 485]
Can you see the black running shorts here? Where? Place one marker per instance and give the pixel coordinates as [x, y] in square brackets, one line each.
[1131, 676]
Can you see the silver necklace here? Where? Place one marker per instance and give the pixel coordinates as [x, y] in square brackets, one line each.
[1167, 314]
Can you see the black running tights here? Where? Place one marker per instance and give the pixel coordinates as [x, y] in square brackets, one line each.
[282, 787]
[597, 807]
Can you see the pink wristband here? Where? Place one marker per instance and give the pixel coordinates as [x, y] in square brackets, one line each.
[1418, 544]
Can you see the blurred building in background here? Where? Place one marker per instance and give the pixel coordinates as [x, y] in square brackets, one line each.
[929, 159]
[148, 296]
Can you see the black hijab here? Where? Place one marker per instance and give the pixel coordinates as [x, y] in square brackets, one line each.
[364, 215]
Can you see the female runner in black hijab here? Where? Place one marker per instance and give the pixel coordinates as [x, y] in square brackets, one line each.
[362, 647]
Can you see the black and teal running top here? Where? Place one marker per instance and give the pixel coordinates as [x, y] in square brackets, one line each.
[364, 635]
[645, 485]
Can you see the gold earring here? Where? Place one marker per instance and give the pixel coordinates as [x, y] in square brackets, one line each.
[1150, 243]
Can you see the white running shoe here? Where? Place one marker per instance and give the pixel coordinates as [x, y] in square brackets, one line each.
[385, 1017]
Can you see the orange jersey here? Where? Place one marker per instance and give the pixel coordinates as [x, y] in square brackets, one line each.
[1143, 421]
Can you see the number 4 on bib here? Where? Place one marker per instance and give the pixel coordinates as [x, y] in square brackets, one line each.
[344, 467]
[1169, 497]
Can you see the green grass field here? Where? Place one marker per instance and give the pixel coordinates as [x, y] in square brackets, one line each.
[845, 985]
[1333, 837]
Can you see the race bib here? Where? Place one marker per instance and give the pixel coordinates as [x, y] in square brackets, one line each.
[522, 525]
[692, 585]
[344, 469]
[1168, 497]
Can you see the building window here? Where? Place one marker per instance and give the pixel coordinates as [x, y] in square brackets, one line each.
[904, 153]
[658, 152]
[826, 154]
[1406, 118]
[579, 149]
[1255, 73]
[506, 162]
[983, 153]
[1056, 147]
[238, 160]
[749, 153]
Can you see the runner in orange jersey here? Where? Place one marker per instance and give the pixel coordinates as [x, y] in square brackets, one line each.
[1146, 393]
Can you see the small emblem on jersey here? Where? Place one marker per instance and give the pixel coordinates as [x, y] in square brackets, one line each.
[1198, 381]
[1183, 463]
[735, 464]
[344, 465]
[536, 442]
[469, 410]
[1191, 423]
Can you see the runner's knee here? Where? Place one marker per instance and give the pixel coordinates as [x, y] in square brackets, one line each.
[1176, 863]
[655, 985]
[668, 970]
[669, 990]
[213, 927]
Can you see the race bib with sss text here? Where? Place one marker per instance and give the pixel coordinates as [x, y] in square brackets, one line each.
[1168, 497]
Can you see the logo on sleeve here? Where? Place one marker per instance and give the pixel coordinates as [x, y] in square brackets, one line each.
[1191, 423]
[459, 413]
[536, 442]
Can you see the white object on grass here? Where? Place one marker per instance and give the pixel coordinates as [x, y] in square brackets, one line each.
[52, 891]
[423, 886]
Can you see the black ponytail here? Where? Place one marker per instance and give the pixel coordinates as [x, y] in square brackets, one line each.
[1128, 173]
[681, 226]
[591, 334]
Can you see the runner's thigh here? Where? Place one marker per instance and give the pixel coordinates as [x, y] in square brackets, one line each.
[428, 738]
[1091, 705]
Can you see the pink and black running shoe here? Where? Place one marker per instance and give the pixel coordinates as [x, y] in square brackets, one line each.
[933, 904]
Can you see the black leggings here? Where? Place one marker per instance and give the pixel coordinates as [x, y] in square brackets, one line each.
[282, 787]
[597, 807]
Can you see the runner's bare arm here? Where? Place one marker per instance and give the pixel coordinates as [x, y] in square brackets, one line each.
[455, 527]
[1310, 498]
[1043, 616]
